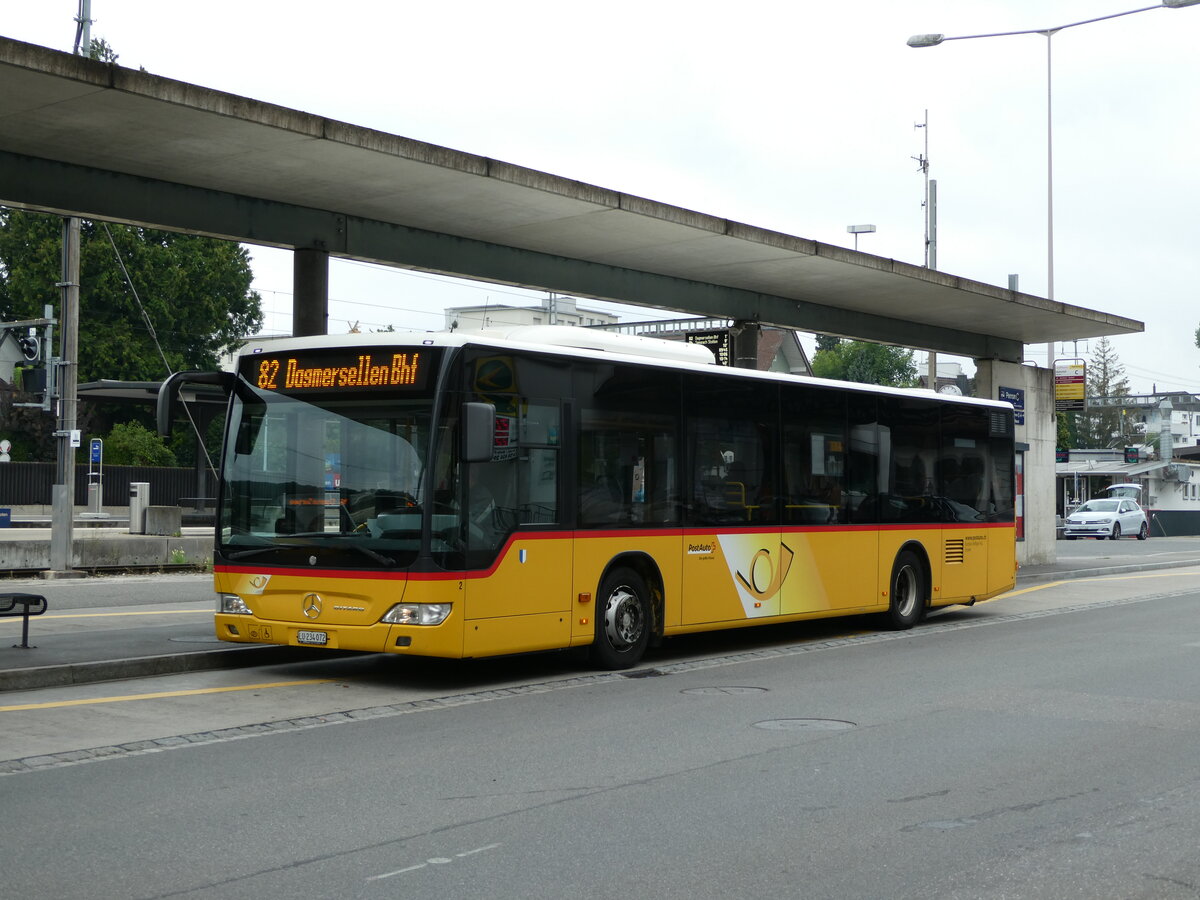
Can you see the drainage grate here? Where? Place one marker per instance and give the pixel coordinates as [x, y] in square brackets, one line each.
[642, 673]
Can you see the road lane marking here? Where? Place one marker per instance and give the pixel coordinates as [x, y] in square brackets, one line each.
[160, 612]
[432, 861]
[1050, 584]
[163, 694]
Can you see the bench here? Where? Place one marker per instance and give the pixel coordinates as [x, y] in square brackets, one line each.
[24, 605]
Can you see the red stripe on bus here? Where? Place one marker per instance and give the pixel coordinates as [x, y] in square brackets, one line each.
[474, 574]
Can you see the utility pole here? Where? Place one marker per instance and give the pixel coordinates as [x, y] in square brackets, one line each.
[62, 541]
[66, 434]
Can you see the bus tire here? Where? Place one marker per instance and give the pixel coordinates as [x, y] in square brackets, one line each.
[622, 620]
[906, 597]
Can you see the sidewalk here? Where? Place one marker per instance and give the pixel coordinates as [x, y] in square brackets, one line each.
[106, 544]
[80, 645]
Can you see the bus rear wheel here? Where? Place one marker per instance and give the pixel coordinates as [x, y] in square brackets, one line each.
[622, 620]
[906, 605]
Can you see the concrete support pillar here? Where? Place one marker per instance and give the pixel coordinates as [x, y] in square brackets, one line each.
[1036, 440]
[310, 292]
[745, 345]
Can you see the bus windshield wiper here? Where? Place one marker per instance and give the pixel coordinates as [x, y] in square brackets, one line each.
[266, 548]
[378, 557]
[254, 551]
[365, 551]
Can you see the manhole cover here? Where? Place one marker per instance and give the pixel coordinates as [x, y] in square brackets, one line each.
[197, 639]
[726, 689]
[804, 725]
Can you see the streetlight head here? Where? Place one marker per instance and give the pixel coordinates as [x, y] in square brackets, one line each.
[1179, 4]
[932, 40]
[860, 229]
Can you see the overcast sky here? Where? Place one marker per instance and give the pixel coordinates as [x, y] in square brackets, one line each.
[795, 116]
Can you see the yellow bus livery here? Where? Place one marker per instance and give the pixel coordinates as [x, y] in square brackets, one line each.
[467, 495]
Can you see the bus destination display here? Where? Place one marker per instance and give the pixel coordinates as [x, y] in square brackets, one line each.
[339, 370]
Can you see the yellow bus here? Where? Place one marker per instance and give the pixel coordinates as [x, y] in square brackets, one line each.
[470, 494]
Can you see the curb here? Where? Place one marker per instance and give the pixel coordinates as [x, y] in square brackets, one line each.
[149, 666]
[1035, 577]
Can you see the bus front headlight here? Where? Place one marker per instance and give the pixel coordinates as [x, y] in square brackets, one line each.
[232, 604]
[417, 614]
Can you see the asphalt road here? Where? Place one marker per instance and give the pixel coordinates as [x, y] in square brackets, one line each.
[1042, 746]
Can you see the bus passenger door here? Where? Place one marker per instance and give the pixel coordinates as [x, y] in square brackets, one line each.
[518, 597]
[734, 564]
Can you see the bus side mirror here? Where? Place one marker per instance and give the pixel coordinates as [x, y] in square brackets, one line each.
[168, 393]
[479, 426]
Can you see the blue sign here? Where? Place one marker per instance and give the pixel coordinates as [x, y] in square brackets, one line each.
[1015, 396]
[97, 450]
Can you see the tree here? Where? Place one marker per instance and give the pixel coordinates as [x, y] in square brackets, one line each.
[1066, 435]
[866, 363]
[1103, 426]
[190, 293]
[827, 342]
[129, 444]
[188, 298]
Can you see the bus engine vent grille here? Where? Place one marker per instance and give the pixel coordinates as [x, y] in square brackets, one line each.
[955, 552]
[1000, 424]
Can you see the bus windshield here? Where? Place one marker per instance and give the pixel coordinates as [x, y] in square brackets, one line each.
[332, 477]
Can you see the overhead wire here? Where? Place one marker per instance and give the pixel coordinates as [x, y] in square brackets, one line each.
[157, 344]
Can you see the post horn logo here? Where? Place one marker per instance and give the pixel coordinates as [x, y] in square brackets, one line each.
[311, 605]
[766, 578]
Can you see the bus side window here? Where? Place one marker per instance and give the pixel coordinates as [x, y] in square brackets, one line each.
[814, 456]
[628, 455]
[908, 488]
[537, 471]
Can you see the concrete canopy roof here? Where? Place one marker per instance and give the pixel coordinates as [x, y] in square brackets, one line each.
[84, 137]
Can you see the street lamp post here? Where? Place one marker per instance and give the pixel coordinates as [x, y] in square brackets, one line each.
[932, 40]
[856, 230]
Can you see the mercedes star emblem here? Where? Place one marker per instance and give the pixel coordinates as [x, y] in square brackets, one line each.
[311, 605]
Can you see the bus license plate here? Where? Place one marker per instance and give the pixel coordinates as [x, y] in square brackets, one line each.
[312, 637]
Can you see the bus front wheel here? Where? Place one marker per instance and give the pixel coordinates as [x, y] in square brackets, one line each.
[622, 620]
[906, 604]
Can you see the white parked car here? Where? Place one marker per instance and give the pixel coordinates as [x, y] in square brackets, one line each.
[1107, 518]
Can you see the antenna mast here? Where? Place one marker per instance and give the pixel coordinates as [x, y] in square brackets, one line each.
[83, 29]
[930, 205]
[930, 202]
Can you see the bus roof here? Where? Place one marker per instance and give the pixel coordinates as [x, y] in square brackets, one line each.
[586, 343]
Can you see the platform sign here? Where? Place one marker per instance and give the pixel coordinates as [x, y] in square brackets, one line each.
[719, 342]
[1070, 385]
[1015, 396]
[97, 450]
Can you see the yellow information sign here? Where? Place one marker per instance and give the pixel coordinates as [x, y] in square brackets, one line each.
[1070, 385]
